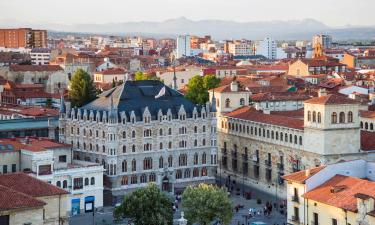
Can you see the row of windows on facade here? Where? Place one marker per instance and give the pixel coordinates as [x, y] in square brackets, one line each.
[152, 177]
[182, 161]
[146, 132]
[316, 117]
[146, 118]
[146, 146]
[228, 103]
[77, 183]
[261, 132]
[367, 126]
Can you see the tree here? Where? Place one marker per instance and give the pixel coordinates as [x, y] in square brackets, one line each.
[198, 86]
[205, 203]
[142, 76]
[147, 206]
[82, 89]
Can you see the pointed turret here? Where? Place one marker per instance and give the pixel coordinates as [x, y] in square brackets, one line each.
[213, 102]
[62, 105]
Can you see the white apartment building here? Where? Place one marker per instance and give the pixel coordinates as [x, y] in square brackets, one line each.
[267, 48]
[183, 46]
[238, 48]
[52, 162]
[144, 131]
[40, 56]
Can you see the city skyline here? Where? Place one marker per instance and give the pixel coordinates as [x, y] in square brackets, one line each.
[331, 14]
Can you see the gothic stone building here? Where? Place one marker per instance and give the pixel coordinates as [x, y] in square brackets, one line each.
[144, 131]
[258, 148]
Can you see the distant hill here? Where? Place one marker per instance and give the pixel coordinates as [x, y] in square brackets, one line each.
[218, 29]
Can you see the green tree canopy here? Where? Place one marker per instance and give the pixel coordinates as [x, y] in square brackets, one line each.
[142, 76]
[82, 89]
[147, 206]
[205, 203]
[198, 86]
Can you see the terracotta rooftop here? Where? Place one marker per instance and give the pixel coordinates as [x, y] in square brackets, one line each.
[279, 96]
[367, 114]
[39, 68]
[111, 71]
[367, 140]
[302, 176]
[251, 114]
[11, 199]
[342, 191]
[32, 144]
[331, 99]
[28, 185]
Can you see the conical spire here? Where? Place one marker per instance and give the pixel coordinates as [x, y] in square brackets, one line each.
[62, 104]
[112, 111]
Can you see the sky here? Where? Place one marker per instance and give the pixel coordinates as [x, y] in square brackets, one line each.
[330, 12]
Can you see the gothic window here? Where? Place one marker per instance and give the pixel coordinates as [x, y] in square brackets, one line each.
[147, 163]
[182, 160]
[134, 165]
[124, 180]
[195, 158]
[134, 179]
[133, 134]
[187, 173]
[161, 162]
[196, 172]
[124, 149]
[124, 166]
[204, 172]
[123, 134]
[319, 117]
[170, 161]
[314, 117]
[143, 178]
[204, 158]
[178, 174]
[133, 148]
[152, 177]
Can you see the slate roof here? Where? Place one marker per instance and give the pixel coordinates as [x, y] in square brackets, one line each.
[137, 95]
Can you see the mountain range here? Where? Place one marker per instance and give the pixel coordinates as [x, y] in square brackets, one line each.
[218, 29]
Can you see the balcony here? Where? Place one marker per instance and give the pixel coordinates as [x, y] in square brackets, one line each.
[295, 199]
[267, 162]
[280, 166]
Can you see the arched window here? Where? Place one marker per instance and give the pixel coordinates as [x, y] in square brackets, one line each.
[187, 173]
[204, 142]
[334, 118]
[182, 160]
[86, 181]
[290, 138]
[65, 184]
[281, 136]
[123, 134]
[147, 163]
[227, 103]
[92, 181]
[143, 178]
[350, 117]
[124, 166]
[242, 101]
[169, 131]
[161, 145]
[308, 116]
[204, 172]
[124, 149]
[195, 172]
[133, 148]
[161, 162]
[361, 125]
[371, 126]
[152, 177]
[134, 179]
[342, 117]
[124, 180]
[319, 117]
[300, 140]
[178, 174]
[366, 126]
[195, 143]
[161, 132]
[170, 161]
[314, 117]
[295, 139]
[58, 183]
[133, 134]
[134, 165]
[195, 158]
[204, 158]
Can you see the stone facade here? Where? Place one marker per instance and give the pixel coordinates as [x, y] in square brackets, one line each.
[24, 216]
[173, 150]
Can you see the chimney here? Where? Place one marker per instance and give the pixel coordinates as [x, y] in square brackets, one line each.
[234, 86]
[322, 92]
[307, 173]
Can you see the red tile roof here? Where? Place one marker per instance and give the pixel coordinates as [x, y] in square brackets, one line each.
[112, 71]
[33, 144]
[39, 68]
[249, 113]
[28, 185]
[342, 191]
[367, 114]
[367, 140]
[331, 99]
[11, 199]
[302, 176]
[279, 96]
